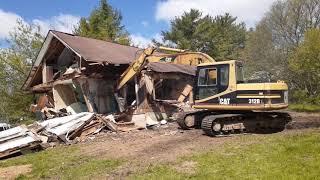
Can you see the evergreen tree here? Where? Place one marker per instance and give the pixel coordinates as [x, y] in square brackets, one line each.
[220, 37]
[103, 23]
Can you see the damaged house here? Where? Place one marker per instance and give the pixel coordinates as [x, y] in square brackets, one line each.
[162, 87]
[76, 81]
[74, 74]
[77, 74]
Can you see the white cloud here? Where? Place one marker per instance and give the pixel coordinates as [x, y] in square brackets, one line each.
[142, 41]
[249, 11]
[8, 22]
[62, 22]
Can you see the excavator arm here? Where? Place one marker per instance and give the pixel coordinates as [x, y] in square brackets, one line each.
[135, 67]
[172, 55]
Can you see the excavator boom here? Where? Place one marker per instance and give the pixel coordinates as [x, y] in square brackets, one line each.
[171, 55]
[134, 67]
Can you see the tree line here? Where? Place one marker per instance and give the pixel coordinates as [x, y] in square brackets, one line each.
[285, 43]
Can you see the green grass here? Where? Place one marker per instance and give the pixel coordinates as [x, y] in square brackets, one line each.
[62, 163]
[276, 156]
[304, 108]
[272, 157]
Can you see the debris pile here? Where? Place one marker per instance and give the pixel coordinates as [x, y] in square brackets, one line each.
[76, 81]
[61, 130]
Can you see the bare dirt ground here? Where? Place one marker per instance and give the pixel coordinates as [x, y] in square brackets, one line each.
[168, 143]
[14, 171]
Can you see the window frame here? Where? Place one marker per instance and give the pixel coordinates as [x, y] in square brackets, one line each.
[207, 76]
[239, 68]
[227, 73]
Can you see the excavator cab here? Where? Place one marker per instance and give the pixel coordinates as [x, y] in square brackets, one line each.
[221, 86]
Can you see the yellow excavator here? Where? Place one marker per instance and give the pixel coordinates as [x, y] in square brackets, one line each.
[224, 102]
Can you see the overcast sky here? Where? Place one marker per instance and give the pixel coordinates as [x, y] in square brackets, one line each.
[144, 19]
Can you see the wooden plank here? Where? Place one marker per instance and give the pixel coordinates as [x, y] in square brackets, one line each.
[77, 132]
[111, 125]
[186, 91]
[49, 73]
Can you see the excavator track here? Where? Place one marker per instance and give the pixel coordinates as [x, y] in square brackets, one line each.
[214, 125]
[208, 125]
[220, 123]
[190, 120]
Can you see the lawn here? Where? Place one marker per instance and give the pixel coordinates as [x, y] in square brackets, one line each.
[269, 157]
[288, 155]
[62, 163]
[304, 107]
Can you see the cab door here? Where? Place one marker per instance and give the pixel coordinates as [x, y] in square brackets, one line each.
[211, 80]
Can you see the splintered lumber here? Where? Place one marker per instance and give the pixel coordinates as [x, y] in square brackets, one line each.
[98, 123]
[79, 131]
[186, 91]
[35, 128]
[111, 125]
[92, 128]
[126, 126]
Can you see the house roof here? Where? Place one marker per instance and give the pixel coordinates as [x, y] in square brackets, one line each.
[172, 68]
[86, 48]
[98, 50]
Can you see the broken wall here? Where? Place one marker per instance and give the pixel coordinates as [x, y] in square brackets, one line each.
[156, 89]
[63, 95]
[99, 95]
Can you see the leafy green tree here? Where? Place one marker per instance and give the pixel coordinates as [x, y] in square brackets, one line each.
[103, 23]
[278, 34]
[305, 65]
[261, 54]
[15, 62]
[220, 37]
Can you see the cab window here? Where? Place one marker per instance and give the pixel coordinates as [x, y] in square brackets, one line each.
[212, 80]
[224, 79]
[207, 77]
[239, 72]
